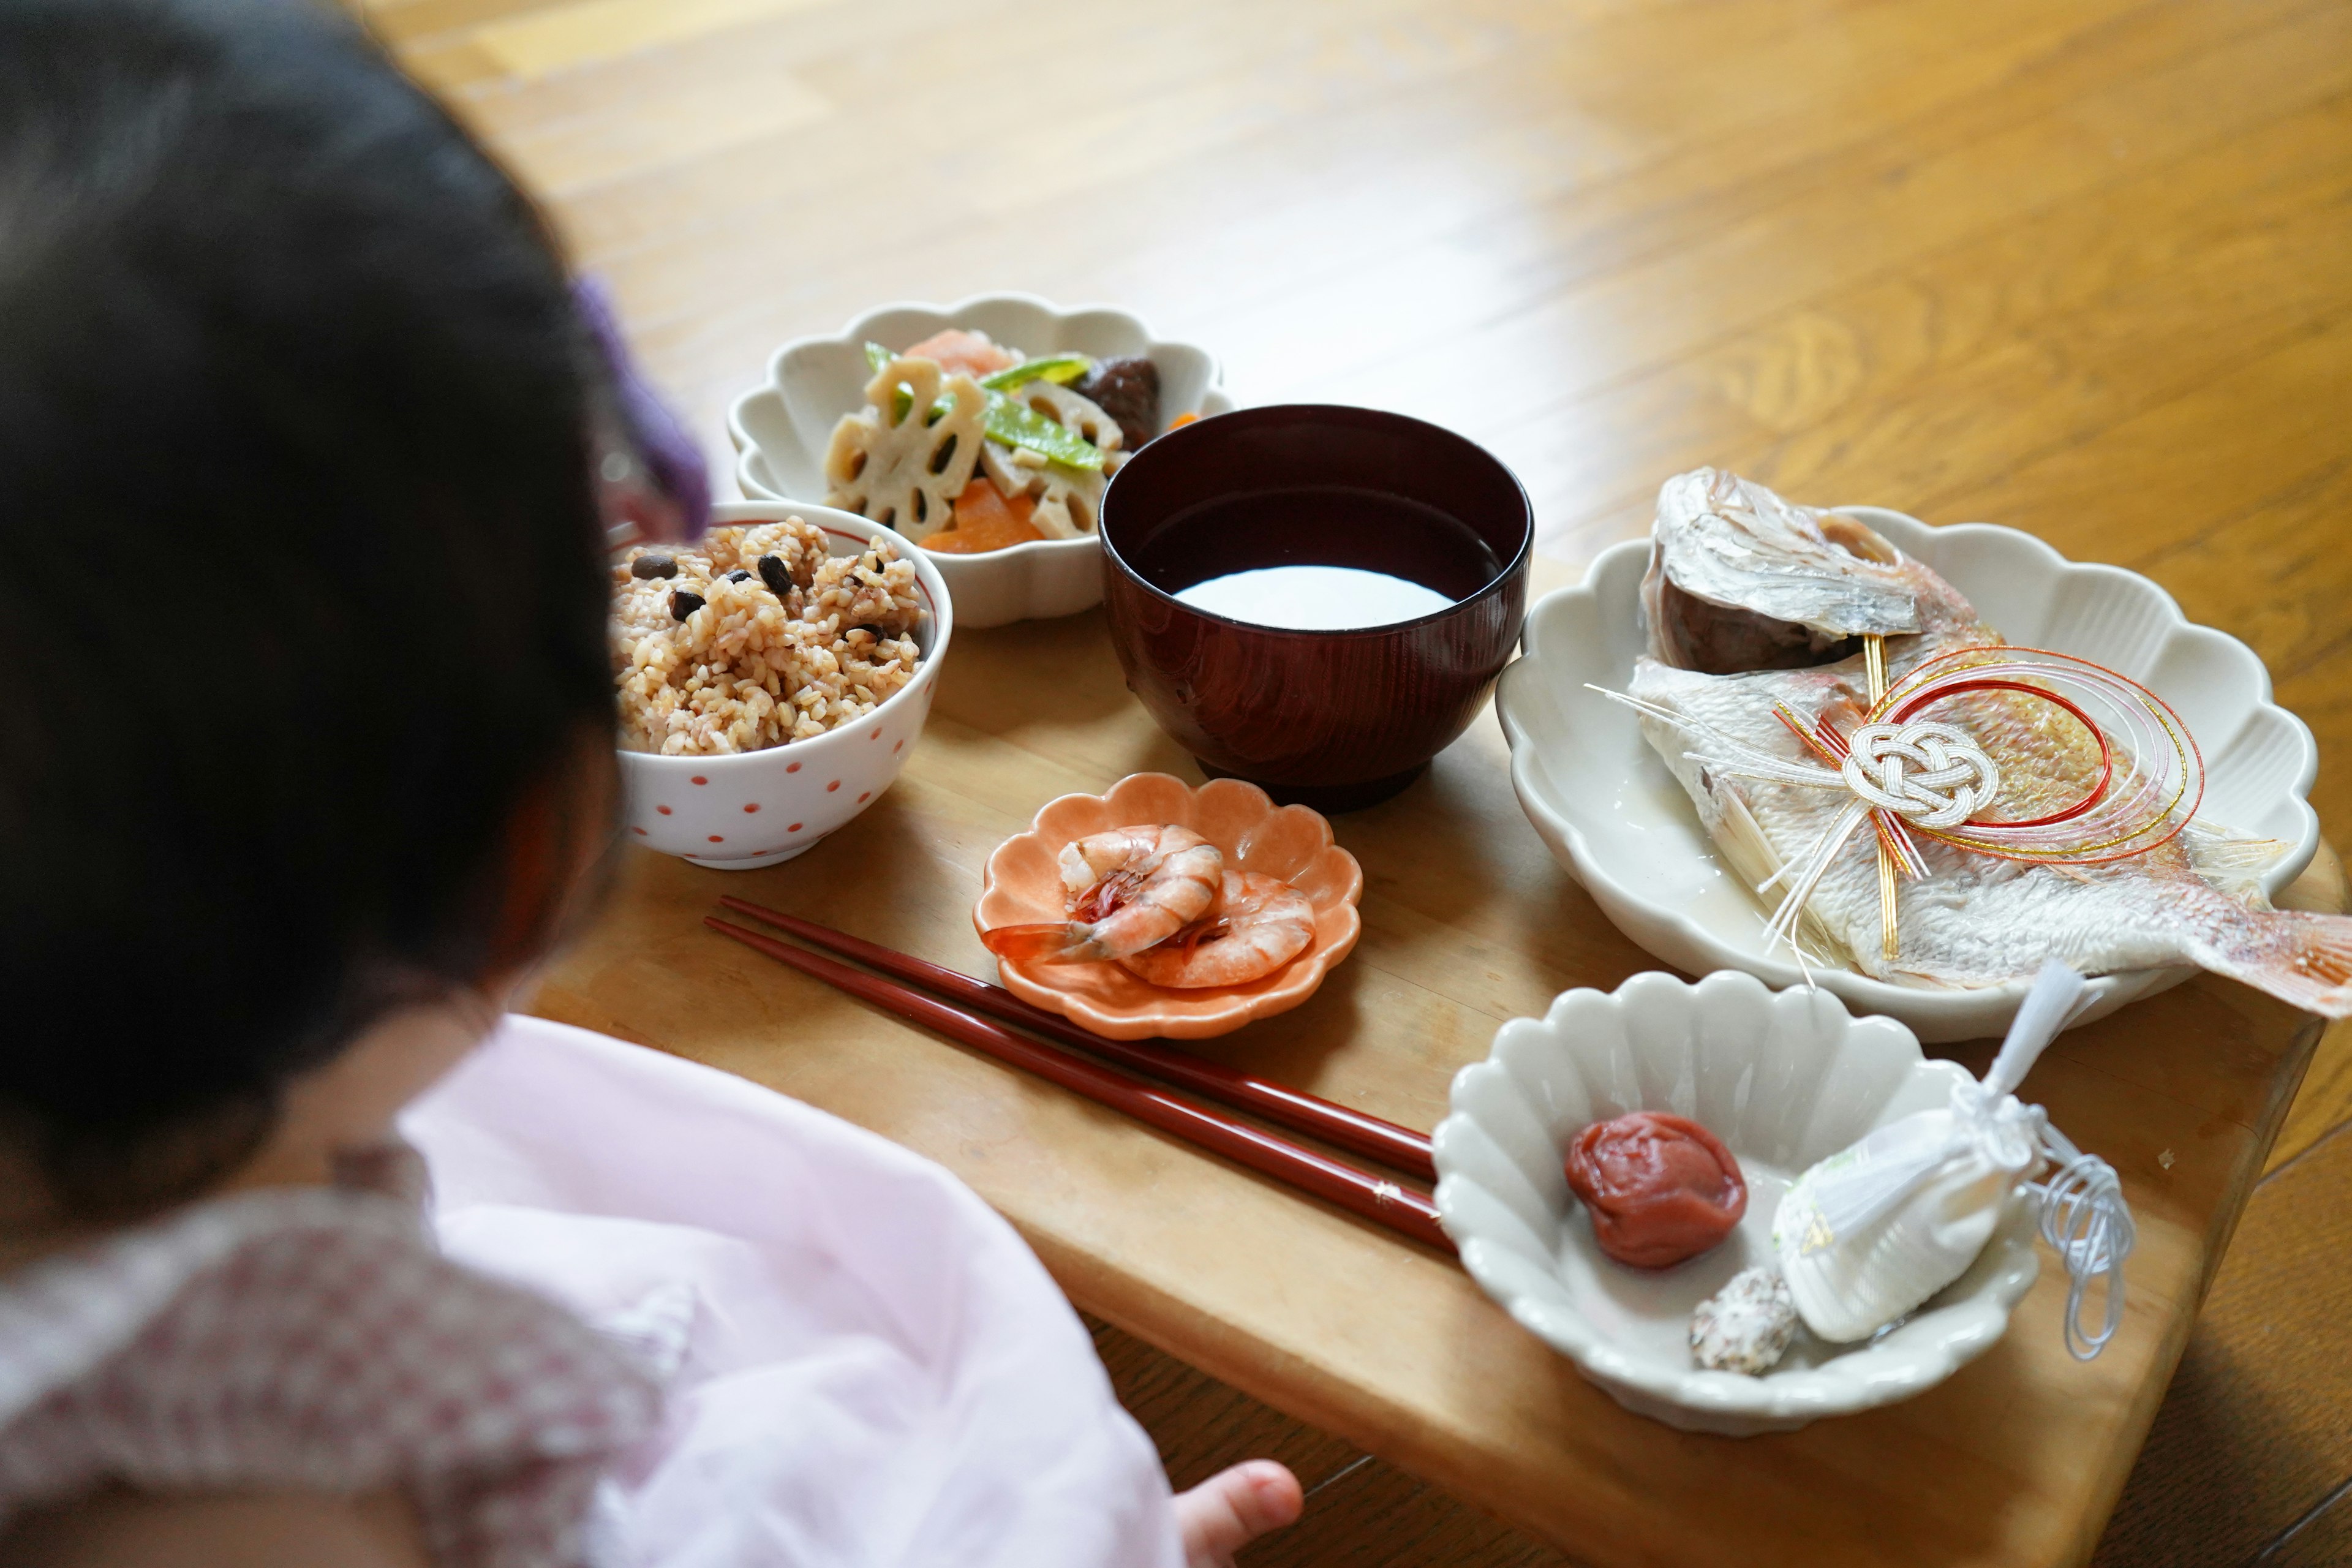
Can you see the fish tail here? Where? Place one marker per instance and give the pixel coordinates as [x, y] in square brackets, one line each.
[2305, 960]
[1051, 942]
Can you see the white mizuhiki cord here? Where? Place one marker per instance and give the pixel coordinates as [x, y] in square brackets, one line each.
[2084, 1217]
[1932, 773]
[2086, 1222]
[1925, 772]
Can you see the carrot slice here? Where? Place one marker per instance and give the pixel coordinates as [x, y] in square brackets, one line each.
[985, 519]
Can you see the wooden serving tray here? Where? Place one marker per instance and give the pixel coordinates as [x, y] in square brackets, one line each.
[1467, 922]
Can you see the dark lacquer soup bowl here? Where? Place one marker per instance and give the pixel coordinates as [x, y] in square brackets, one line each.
[1315, 599]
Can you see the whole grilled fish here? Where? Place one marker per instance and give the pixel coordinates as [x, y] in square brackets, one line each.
[1751, 601]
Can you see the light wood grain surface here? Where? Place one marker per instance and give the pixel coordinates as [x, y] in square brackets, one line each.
[1391, 1348]
[2080, 268]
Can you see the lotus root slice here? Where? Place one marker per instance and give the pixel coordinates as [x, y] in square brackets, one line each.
[904, 472]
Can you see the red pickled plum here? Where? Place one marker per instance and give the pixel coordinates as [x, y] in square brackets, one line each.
[1660, 1188]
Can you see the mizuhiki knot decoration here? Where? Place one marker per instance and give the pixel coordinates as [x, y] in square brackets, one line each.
[1908, 777]
[1927, 773]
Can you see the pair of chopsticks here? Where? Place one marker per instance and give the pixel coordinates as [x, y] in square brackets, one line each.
[905, 987]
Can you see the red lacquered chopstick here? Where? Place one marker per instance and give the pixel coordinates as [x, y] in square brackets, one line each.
[1399, 1147]
[1400, 1208]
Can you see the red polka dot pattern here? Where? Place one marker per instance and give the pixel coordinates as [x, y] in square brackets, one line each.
[753, 806]
[795, 827]
[699, 779]
[663, 809]
[866, 797]
[638, 831]
[792, 767]
[834, 786]
[715, 839]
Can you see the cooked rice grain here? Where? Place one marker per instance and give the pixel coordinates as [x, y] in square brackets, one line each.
[748, 669]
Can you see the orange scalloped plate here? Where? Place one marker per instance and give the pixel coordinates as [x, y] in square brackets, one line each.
[1023, 884]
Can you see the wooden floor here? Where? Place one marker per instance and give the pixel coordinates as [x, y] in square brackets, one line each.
[2083, 267]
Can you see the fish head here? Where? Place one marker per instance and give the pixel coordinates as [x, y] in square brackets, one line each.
[1742, 580]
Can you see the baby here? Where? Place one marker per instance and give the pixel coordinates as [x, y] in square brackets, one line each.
[306, 473]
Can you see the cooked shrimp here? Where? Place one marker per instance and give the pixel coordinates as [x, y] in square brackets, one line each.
[1260, 924]
[1128, 889]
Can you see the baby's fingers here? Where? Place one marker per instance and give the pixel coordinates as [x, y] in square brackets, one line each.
[1234, 1508]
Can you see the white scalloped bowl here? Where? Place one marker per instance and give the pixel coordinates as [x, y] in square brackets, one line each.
[1784, 1078]
[1612, 815]
[781, 430]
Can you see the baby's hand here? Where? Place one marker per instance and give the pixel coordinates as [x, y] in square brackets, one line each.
[651, 484]
[1234, 1508]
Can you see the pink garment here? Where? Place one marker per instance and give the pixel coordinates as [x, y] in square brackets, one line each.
[312, 1338]
[866, 1365]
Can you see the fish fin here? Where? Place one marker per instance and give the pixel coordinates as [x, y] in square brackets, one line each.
[1743, 841]
[2305, 960]
[1047, 942]
[2232, 861]
[1929, 977]
[1750, 849]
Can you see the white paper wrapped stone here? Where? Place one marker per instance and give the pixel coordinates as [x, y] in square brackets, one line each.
[1747, 1325]
[1870, 1233]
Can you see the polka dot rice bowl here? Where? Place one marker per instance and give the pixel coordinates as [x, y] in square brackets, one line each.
[750, 809]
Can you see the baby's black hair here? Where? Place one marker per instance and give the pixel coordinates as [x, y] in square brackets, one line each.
[302, 597]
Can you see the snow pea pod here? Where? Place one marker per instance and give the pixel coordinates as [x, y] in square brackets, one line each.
[1059, 369]
[1010, 421]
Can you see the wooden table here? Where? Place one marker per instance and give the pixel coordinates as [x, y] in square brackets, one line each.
[1467, 922]
[2080, 268]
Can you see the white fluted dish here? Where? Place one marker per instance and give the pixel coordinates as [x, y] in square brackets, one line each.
[1612, 814]
[782, 427]
[1784, 1078]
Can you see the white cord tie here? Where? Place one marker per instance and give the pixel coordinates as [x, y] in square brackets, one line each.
[1928, 773]
[2087, 1224]
[1923, 772]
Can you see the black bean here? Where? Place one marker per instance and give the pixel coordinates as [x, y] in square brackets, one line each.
[738, 576]
[684, 602]
[1128, 391]
[773, 573]
[654, 566]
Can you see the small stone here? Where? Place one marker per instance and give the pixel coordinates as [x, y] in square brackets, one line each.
[684, 602]
[1744, 1327]
[773, 573]
[738, 576]
[653, 566]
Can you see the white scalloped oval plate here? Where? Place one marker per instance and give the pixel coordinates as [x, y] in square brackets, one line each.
[1612, 814]
[781, 430]
[1784, 1078]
